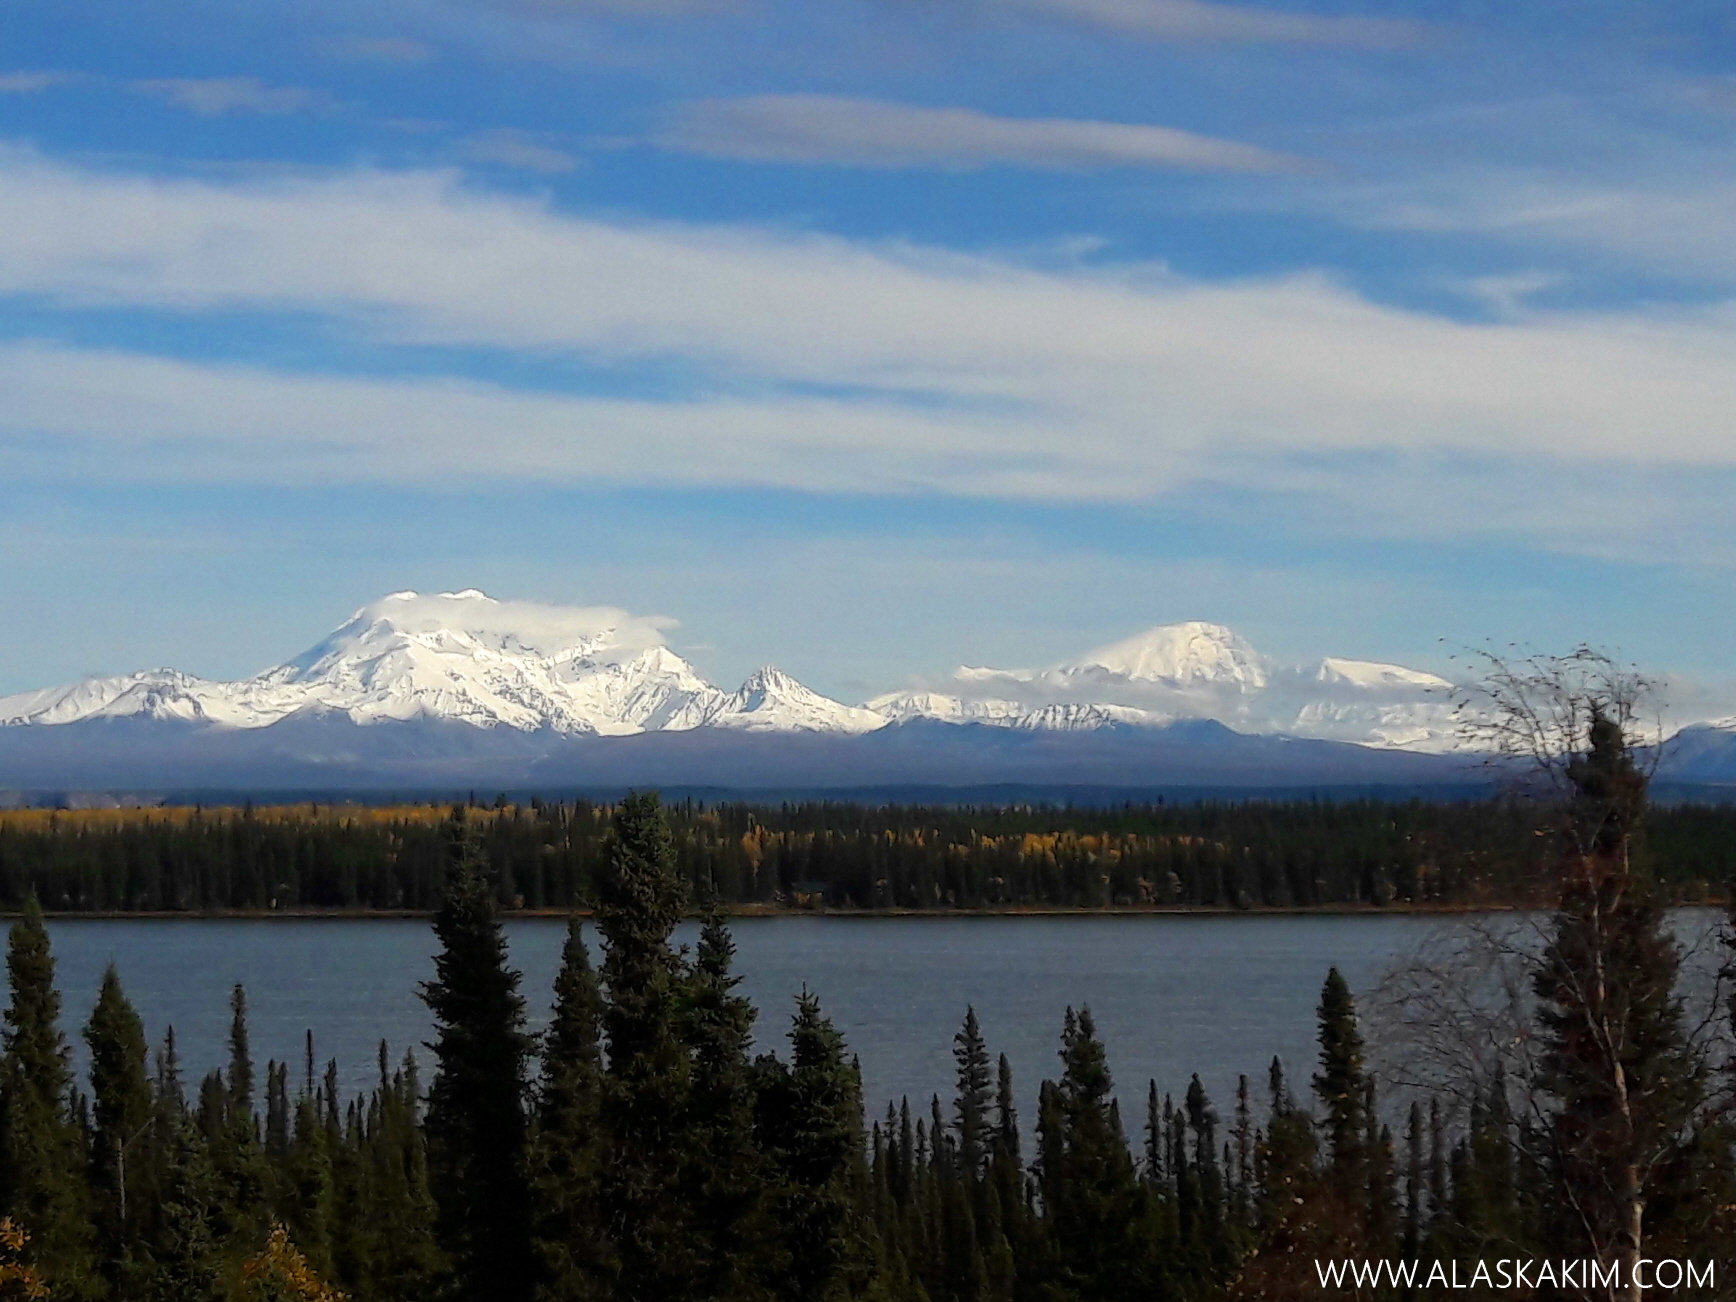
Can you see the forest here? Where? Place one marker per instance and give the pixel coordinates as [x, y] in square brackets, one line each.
[1254, 854]
[637, 1151]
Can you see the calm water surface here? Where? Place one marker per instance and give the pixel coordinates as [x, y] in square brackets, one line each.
[1172, 995]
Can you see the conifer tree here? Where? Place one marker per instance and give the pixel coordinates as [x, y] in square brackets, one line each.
[228, 1116]
[971, 1103]
[1092, 1199]
[567, 1151]
[640, 899]
[476, 1103]
[1615, 1057]
[184, 1263]
[120, 1118]
[1340, 1085]
[811, 1119]
[42, 1158]
[403, 1261]
[724, 1179]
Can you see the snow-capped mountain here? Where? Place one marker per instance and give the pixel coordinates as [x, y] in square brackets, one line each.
[1197, 671]
[467, 658]
[463, 657]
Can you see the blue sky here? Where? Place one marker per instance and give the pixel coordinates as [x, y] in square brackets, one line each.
[869, 338]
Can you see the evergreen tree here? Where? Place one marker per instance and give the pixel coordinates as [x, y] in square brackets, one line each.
[1341, 1085]
[971, 1103]
[567, 1148]
[227, 1115]
[640, 899]
[476, 1103]
[42, 1157]
[120, 1118]
[1615, 1058]
[1092, 1201]
[184, 1265]
[810, 1118]
[724, 1177]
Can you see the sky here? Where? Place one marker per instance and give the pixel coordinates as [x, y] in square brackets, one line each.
[871, 337]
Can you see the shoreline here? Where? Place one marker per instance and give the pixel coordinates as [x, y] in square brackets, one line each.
[778, 911]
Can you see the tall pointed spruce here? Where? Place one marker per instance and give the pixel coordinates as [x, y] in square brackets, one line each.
[120, 1117]
[566, 1157]
[640, 899]
[1341, 1085]
[476, 1103]
[41, 1150]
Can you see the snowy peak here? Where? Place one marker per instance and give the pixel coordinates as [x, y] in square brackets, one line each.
[771, 701]
[470, 622]
[1374, 675]
[1197, 670]
[600, 671]
[465, 657]
[1186, 655]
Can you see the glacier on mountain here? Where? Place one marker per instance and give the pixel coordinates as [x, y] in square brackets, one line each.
[464, 657]
[1197, 670]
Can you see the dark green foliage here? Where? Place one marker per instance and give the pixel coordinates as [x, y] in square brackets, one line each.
[121, 1116]
[567, 1146]
[645, 1098]
[1616, 1060]
[185, 1266]
[971, 1102]
[547, 855]
[476, 1103]
[724, 1178]
[1093, 1204]
[1341, 1085]
[42, 1153]
[810, 1123]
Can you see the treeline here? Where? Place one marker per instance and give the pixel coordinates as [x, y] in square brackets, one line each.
[637, 1153]
[548, 856]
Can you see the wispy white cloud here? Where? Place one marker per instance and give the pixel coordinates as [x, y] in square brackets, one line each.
[944, 372]
[34, 81]
[216, 96]
[875, 133]
[1194, 20]
[519, 149]
[1681, 223]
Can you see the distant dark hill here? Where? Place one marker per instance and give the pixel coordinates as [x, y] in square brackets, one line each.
[1700, 755]
[326, 751]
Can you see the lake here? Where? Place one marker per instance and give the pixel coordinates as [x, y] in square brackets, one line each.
[1172, 994]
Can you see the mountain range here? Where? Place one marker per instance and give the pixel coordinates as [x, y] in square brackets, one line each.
[459, 686]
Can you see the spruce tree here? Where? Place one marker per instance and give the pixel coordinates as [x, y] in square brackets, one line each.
[184, 1265]
[1340, 1085]
[233, 1129]
[972, 1100]
[1615, 1059]
[640, 899]
[476, 1104]
[120, 1118]
[566, 1147]
[1092, 1200]
[42, 1157]
[810, 1118]
[724, 1178]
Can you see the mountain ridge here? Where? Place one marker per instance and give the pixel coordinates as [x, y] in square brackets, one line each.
[458, 685]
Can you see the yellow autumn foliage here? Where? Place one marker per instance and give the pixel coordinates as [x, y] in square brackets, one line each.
[279, 1273]
[16, 1278]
